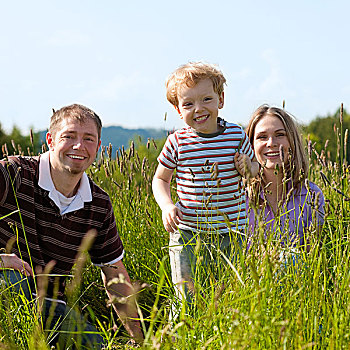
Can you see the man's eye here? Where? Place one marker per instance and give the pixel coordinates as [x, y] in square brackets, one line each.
[66, 136]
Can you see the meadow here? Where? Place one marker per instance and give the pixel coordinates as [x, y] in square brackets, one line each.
[255, 302]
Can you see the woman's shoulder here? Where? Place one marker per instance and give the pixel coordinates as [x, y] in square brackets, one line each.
[310, 186]
[311, 189]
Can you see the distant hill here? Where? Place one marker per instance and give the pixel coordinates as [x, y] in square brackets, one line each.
[119, 136]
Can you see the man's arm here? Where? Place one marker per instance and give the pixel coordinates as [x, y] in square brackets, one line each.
[12, 261]
[121, 292]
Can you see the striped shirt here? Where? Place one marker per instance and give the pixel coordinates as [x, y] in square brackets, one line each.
[209, 188]
[46, 234]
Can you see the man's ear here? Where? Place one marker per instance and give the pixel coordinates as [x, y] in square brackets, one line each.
[49, 140]
[221, 101]
[98, 146]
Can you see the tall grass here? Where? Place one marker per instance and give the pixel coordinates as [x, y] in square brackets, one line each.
[256, 302]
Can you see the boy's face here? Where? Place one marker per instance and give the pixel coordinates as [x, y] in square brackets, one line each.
[199, 106]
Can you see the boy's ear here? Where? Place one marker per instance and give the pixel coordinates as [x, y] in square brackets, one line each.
[221, 100]
[178, 111]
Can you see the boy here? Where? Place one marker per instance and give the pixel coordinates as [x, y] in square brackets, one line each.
[209, 156]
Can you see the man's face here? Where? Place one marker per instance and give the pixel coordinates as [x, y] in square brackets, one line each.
[73, 147]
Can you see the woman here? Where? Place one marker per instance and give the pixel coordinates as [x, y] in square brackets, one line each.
[281, 197]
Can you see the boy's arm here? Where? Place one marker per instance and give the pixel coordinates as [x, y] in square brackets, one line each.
[246, 167]
[161, 192]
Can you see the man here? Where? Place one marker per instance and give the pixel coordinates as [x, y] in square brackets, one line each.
[58, 204]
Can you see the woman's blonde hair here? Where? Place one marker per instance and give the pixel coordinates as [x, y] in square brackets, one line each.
[297, 167]
[189, 75]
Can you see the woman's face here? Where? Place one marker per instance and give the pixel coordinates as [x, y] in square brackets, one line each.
[269, 137]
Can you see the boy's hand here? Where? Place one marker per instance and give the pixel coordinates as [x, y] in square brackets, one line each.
[243, 164]
[170, 216]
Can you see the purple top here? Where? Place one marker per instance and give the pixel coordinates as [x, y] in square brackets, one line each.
[297, 215]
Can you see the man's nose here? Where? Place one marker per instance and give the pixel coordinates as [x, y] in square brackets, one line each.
[78, 144]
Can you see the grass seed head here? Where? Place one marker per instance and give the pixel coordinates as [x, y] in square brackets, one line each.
[14, 145]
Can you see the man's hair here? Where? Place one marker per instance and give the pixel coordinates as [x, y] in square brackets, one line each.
[189, 75]
[74, 112]
[297, 166]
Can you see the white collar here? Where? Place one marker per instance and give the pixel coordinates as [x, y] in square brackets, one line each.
[45, 182]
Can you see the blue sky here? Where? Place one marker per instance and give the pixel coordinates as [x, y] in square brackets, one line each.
[114, 57]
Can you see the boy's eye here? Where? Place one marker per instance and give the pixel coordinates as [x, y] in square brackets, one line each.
[187, 104]
[207, 99]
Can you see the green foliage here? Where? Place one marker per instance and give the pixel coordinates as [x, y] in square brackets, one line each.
[326, 132]
[17, 144]
[256, 302]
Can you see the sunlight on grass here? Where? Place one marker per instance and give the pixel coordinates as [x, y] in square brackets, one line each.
[256, 301]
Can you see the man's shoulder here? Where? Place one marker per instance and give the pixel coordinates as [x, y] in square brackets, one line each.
[97, 192]
[28, 163]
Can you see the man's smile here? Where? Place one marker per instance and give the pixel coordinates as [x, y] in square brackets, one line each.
[74, 156]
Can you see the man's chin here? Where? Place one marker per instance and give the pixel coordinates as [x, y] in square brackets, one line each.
[75, 171]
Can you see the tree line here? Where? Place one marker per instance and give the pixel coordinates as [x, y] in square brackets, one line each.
[17, 143]
[326, 135]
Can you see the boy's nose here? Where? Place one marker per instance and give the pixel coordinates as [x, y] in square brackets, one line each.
[198, 107]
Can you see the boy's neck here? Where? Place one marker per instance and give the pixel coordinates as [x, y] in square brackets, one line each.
[220, 128]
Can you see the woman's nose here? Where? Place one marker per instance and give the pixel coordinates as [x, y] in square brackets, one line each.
[271, 141]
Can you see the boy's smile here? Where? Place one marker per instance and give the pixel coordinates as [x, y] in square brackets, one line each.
[199, 106]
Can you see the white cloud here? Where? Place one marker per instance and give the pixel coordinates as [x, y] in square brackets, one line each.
[271, 85]
[242, 74]
[28, 85]
[272, 81]
[62, 38]
[119, 87]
